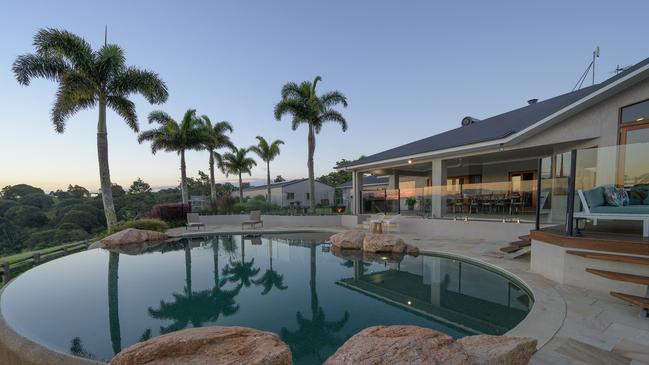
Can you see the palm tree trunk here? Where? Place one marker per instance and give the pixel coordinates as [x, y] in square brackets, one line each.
[240, 189]
[268, 179]
[215, 252]
[310, 166]
[183, 178]
[212, 183]
[104, 169]
[188, 269]
[312, 283]
[113, 302]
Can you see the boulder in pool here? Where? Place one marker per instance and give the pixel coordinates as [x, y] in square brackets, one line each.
[493, 350]
[399, 345]
[209, 345]
[132, 235]
[348, 240]
[379, 242]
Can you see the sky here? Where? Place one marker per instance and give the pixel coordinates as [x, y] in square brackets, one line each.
[410, 69]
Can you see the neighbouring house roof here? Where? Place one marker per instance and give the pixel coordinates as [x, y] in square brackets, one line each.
[279, 185]
[368, 180]
[496, 127]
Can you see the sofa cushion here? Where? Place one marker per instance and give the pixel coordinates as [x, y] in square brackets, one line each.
[629, 209]
[594, 197]
[616, 197]
[639, 194]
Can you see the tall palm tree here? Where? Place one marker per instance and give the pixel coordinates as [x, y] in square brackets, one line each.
[306, 107]
[177, 137]
[87, 79]
[237, 162]
[267, 153]
[216, 137]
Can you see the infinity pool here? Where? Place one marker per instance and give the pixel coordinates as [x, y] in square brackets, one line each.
[95, 303]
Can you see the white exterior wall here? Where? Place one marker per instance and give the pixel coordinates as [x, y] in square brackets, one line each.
[300, 189]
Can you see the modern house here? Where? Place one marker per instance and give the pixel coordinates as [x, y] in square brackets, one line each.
[294, 193]
[501, 167]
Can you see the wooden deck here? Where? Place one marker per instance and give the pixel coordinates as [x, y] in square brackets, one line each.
[633, 244]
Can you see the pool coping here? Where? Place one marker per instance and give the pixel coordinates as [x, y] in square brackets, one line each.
[543, 321]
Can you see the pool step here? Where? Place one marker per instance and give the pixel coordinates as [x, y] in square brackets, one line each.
[618, 276]
[633, 299]
[611, 257]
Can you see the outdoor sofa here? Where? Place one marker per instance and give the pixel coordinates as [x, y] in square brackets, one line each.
[595, 206]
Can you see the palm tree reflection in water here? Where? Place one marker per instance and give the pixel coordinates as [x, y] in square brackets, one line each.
[197, 307]
[271, 278]
[316, 333]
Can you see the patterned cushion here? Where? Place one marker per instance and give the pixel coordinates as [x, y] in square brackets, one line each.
[639, 194]
[616, 197]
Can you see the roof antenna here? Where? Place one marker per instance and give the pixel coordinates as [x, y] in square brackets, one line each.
[583, 76]
[106, 35]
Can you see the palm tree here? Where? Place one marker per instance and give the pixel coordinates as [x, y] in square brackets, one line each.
[237, 162]
[267, 153]
[216, 138]
[87, 79]
[306, 107]
[271, 278]
[177, 137]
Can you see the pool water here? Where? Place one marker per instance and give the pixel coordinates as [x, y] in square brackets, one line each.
[96, 303]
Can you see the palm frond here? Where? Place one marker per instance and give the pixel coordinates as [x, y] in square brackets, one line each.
[66, 45]
[333, 98]
[109, 61]
[160, 117]
[75, 93]
[125, 109]
[331, 116]
[29, 66]
[291, 90]
[134, 80]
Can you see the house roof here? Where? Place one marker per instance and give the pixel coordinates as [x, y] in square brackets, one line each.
[278, 185]
[367, 180]
[496, 127]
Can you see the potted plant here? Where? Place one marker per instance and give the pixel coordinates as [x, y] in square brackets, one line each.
[410, 202]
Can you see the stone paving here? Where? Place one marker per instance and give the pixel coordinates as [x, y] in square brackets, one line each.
[573, 325]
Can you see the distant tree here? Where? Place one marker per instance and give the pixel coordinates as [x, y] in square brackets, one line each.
[173, 136]
[267, 152]
[216, 138]
[118, 191]
[83, 219]
[138, 187]
[278, 179]
[5, 204]
[237, 162]
[15, 192]
[40, 201]
[306, 107]
[77, 191]
[87, 79]
[60, 194]
[26, 216]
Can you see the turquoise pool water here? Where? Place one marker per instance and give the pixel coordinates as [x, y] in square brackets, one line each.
[96, 303]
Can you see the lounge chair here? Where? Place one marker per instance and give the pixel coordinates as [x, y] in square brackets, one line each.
[594, 207]
[392, 221]
[255, 218]
[193, 220]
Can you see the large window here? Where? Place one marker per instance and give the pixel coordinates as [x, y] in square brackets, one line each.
[634, 123]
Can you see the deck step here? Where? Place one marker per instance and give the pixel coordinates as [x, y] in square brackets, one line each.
[611, 257]
[526, 238]
[633, 299]
[629, 278]
[510, 248]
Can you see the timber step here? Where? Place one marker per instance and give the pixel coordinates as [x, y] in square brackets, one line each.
[611, 257]
[629, 278]
[515, 246]
[633, 299]
[526, 238]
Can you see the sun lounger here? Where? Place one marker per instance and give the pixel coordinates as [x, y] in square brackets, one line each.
[255, 218]
[193, 220]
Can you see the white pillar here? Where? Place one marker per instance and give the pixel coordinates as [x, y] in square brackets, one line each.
[357, 188]
[438, 197]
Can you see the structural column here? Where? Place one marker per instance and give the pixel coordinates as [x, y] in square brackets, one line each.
[357, 189]
[437, 191]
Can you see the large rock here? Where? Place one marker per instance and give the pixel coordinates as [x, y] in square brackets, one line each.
[209, 345]
[130, 236]
[348, 240]
[374, 242]
[498, 350]
[399, 345]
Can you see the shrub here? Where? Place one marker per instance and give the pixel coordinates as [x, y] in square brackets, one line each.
[83, 219]
[150, 224]
[37, 200]
[26, 216]
[168, 211]
[51, 237]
